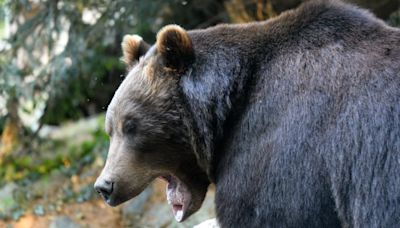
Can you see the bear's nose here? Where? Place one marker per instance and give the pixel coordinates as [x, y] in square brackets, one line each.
[104, 188]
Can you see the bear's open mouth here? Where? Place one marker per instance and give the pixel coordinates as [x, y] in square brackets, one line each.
[178, 196]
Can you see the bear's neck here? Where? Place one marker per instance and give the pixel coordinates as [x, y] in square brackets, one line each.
[214, 92]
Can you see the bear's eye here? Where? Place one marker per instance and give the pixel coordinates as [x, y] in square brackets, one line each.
[129, 128]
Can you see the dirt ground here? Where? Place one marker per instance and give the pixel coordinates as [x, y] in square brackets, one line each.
[93, 213]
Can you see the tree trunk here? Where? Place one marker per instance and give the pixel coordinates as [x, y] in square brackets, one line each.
[12, 128]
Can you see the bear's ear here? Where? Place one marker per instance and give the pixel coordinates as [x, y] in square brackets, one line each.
[133, 47]
[175, 47]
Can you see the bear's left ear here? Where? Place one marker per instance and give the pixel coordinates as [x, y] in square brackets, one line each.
[133, 47]
[175, 47]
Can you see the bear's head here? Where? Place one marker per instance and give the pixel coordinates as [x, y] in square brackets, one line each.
[149, 137]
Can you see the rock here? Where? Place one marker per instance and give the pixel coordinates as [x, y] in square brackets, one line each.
[158, 215]
[63, 222]
[7, 201]
[150, 209]
[51, 207]
[38, 210]
[210, 223]
[48, 186]
[133, 210]
[69, 130]
[17, 214]
[86, 193]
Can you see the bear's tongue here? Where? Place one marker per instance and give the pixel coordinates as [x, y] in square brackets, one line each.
[178, 197]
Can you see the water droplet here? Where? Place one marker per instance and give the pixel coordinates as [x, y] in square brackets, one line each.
[184, 3]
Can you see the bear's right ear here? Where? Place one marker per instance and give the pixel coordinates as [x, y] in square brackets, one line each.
[133, 47]
[175, 48]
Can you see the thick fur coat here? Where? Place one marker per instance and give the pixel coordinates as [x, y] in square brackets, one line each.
[296, 119]
[300, 118]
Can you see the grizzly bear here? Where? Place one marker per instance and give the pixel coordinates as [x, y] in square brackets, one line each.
[296, 120]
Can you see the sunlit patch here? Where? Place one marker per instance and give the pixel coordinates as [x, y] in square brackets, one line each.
[130, 48]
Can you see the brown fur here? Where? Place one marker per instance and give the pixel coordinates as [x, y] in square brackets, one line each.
[174, 44]
[133, 47]
[295, 119]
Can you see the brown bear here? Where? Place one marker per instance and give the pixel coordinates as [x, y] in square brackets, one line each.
[296, 120]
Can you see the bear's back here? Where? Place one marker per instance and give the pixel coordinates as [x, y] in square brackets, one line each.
[318, 124]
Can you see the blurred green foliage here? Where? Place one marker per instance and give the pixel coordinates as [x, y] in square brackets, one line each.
[64, 155]
[394, 18]
[61, 58]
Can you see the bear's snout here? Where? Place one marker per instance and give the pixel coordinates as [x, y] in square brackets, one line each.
[104, 188]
